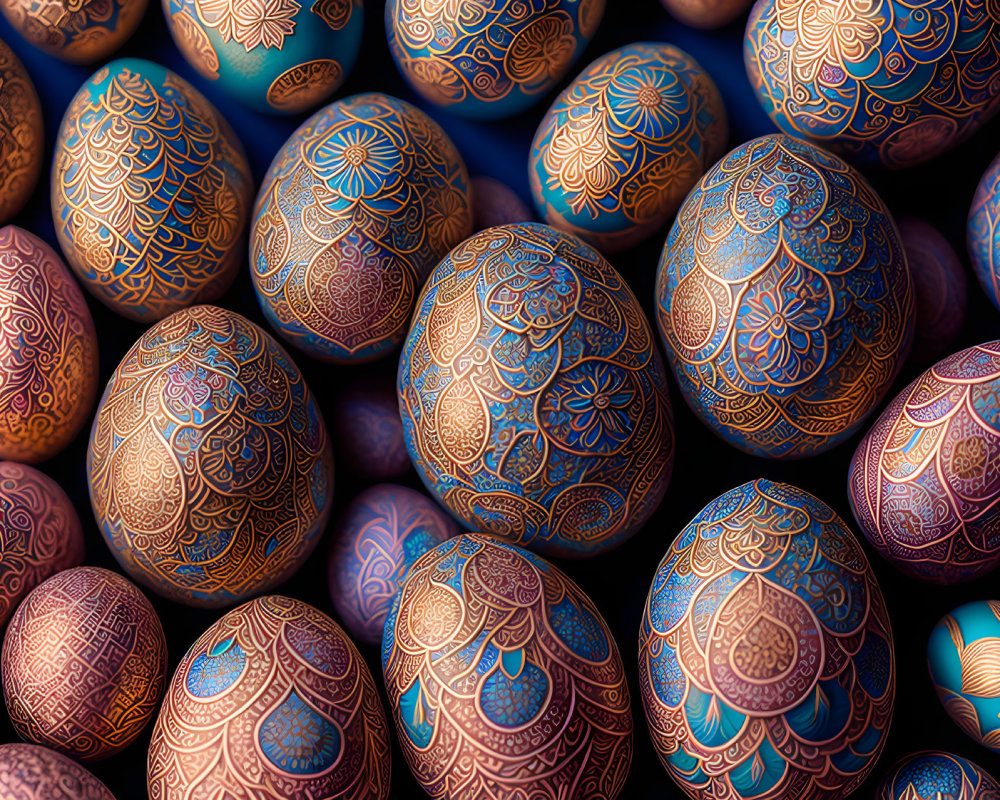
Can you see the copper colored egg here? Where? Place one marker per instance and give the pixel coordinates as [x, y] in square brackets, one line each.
[494, 203]
[21, 134]
[273, 702]
[368, 433]
[706, 13]
[30, 772]
[48, 350]
[84, 663]
[80, 32]
[40, 533]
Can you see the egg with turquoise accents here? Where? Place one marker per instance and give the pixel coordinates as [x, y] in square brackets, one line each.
[983, 232]
[936, 775]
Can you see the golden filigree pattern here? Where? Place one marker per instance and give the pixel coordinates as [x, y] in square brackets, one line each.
[934, 775]
[304, 85]
[21, 134]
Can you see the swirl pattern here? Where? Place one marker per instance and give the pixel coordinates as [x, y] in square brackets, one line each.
[30, 772]
[982, 237]
[210, 469]
[85, 663]
[503, 678]
[882, 82]
[21, 134]
[784, 301]
[150, 191]
[624, 143]
[272, 702]
[360, 204]
[934, 775]
[533, 398]
[79, 31]
[765, 654]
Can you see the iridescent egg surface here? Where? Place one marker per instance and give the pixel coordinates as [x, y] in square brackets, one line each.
[924, 483]
[504, 679]
[30, 772]
[533, 398]
[357, 208]
[367, 430]
[621, 146]
[883, 82]
[84, 663]
[272, 702]
[982, 239]
[706, 13]
[381, 533]
[150, 191]
[276, 57]
[766, 662]
[209, 464]
[935, 775]
[784, 301]
[81, 31]
[962, 654]
[22, 137]
[48, 350]
[488, 58]
[494, 203]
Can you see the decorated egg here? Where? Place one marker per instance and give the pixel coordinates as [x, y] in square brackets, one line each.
[925, 481]
[210, 469]
[938, 289]
[150, 191]
[962, 656]
[935, 775]
[383, 531]
[784, 301]
[367, 428]
[883, 82]
[488, 58]
[30, 772]
[40, 533]
[621, 146]
[48, 350]
[280, 57]
[360, 204]
[766, 663]
[21, 134]
[982, 239]
[84, 663]
[504, 679]
[272, 702]
[494, 203]
[533, 399]
[80, 32]
[706, 13]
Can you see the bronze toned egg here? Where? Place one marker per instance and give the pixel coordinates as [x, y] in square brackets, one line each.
[30, 772]
[21, 134]
[78, 31]
[706, 13]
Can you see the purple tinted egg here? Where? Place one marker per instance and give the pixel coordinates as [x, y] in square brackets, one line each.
[368, 429]
[494, 203]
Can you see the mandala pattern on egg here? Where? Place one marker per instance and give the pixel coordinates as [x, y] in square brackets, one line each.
[30, 772]
[272, 702]
[357, 208]
[80, 31]
[785, 304]
[210, 469]
[21, 134]
[504, 679]
[934, 775]
[765, 653]
[884, 82]
[982, 237]
[533, 398]
[150, 191]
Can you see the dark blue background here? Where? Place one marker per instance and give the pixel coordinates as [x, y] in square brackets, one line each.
[939, 192]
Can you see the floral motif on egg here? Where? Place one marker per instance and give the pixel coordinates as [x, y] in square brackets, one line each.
[504, 679]
[935, 775]
[150, 191]
[272, 702]
[884, 82]
[209, 464]
[30, 772]
[981, 234]
[22, 136]
[785, 304]
[533, 398]
[766, 661]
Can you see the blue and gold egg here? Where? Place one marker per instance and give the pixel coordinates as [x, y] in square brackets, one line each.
[963, 655]
[766, 661]
[784, 300]
[982, 239]
[279, 57]
[936, 775]
[884, 83]
[489, 58]
[503, 678]
[624, 143]
[271, 702]
[533, 398]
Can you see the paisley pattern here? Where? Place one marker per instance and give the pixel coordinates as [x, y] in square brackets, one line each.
[532, 395]
[963, 655]
[40, 533]
[488, 58]
[360, 204]
[150, 191]
[30, 772]
[382, 532]
[883, 82]
[210, 469]
[503, 678]
[79, 31]
[272, 702]
[983, 232]
[84, 664]
[495, 203]
[925, 481]
[785, 304]
[48, 350]
[21, 134]
[624, 143]
[934, 775]
[765, 654]
[367, 430]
